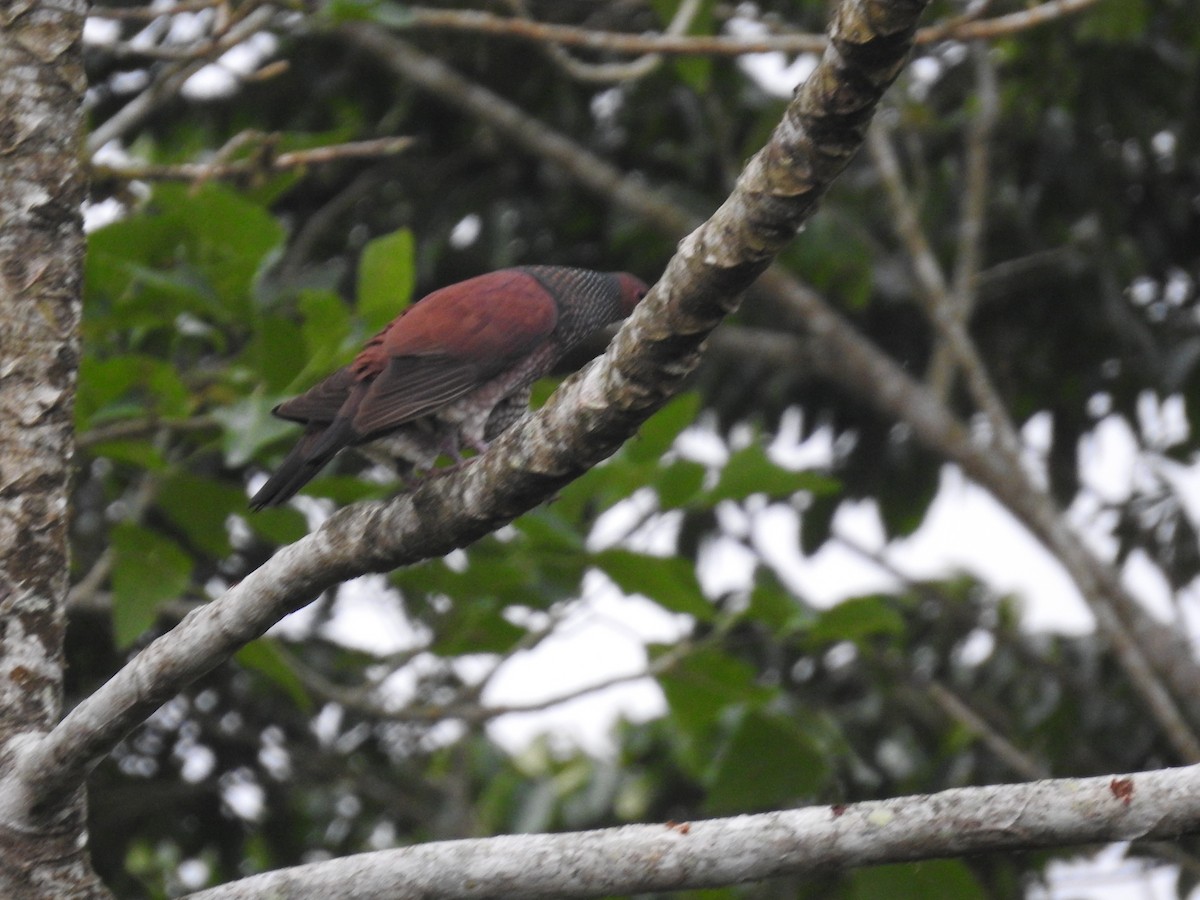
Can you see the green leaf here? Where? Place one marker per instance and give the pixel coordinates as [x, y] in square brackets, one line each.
[816, 525]
[385, 12]
[476, 626]
[774, 605]
[667, 580]
[856, 620]
[1114, 22]
[201, 248]
[385, 278]
[274, 353]
[706, 683]
[148, 570]
[228, 238]
[695, 72]
[767, 762]
[679, 483]
[703, 691]
[279, 525]
[833, 257]
[659, 432]
[265, 657]
[132, 385]
[326, 330]
[750, 471]
[200, 507]
[248, 427]
[548, 532]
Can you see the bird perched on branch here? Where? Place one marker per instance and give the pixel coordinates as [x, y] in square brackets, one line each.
[452, 370]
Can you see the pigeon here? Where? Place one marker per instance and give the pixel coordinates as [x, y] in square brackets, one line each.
[453, 370]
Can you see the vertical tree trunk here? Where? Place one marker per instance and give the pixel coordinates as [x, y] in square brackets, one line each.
[42, 851]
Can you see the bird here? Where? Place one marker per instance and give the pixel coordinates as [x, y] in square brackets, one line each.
[453, 370]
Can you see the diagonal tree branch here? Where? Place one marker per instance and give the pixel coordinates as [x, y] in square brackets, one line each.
[584, 422]
[719, 852]
[944, 308]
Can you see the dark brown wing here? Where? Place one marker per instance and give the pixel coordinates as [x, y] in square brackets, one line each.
[321, 402]
[490, 319]
[412, 386]
[451, 343]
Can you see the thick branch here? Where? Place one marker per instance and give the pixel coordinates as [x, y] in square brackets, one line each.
[42, 851]
[716, 852]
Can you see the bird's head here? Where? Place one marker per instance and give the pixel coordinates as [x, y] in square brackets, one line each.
[633, 289]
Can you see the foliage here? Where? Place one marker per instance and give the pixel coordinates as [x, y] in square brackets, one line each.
[206, 304]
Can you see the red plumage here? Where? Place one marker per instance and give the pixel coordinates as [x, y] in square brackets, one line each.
[453, 369]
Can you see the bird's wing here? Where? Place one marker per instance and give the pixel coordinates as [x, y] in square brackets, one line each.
[489, 321]
[320, 403]
[410, 387]
[449, 344]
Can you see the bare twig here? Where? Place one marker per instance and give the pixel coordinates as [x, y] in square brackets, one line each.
[937, 301]
[1005, 750]
[977, 182]
[258, 164]
[147, 13]
[143, 494]
[1002, 26]
[476, 21]
[127, 429]
[972, 221]
[463, 710]
[172, 79]
[609, 73]
[520, 28]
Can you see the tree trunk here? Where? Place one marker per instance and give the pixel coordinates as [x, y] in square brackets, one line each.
[42, 851]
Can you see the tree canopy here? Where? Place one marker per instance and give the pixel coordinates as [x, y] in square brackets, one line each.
[1017, 248]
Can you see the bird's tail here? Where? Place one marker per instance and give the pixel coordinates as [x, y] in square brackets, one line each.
[301, 465]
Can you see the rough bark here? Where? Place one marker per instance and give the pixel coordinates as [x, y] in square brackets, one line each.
[682, 855]
[42, 850]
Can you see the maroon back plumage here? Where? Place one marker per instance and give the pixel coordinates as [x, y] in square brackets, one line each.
[448, 363]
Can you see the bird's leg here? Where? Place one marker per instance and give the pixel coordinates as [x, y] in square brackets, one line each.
[478, 444]
[450, 446]
[472, 429]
